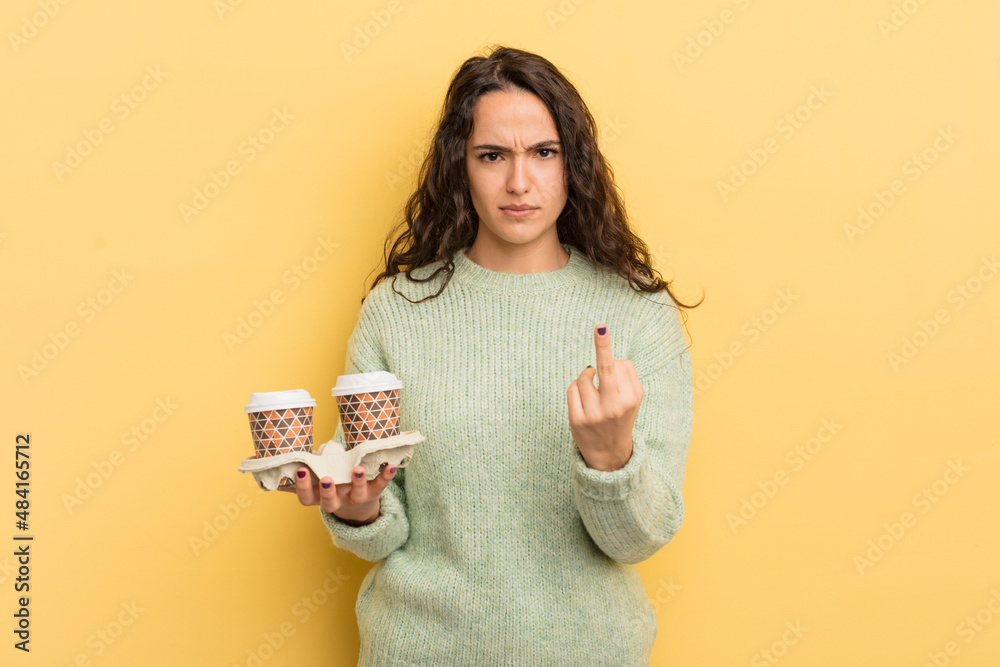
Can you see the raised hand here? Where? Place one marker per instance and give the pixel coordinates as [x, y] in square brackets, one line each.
[601, 419]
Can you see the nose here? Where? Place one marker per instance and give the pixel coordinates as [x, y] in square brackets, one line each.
[518, 178]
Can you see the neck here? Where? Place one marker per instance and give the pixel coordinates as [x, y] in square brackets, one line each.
[519, 259]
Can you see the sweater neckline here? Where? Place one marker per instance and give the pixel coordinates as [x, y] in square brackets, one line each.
[469, 273]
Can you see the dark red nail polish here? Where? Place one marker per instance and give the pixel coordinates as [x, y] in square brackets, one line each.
[358, 475]
[601, 330]
[326, 485]
[302, 473]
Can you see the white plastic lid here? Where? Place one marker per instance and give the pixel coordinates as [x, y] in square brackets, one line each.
[279, 400]
[357, 383]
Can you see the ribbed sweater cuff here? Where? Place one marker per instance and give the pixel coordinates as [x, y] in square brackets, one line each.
[614, 484]
[628, 512]
[376, 540]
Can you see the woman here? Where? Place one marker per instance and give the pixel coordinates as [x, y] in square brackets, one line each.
[510, 537]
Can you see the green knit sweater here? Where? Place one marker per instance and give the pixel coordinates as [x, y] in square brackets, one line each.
[497, 544]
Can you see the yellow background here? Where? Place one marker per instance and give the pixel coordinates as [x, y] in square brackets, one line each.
[893, 76]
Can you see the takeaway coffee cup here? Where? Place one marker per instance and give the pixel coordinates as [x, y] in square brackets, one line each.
[368, 405]
[281, 421]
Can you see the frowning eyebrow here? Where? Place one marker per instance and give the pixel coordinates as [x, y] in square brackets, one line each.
[506, 149]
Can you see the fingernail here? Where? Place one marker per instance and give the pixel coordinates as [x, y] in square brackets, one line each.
[326, 485]
[589, 366]
[302, 473]
[358, 475]
[601, 330]
[392, 470]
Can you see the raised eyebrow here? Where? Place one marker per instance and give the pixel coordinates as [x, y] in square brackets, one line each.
[506, 149]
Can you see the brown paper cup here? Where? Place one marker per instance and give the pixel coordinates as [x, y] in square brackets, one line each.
[281, 422]
[368, 405]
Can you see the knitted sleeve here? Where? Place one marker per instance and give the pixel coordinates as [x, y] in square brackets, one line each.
[374, 541]
[630, 513]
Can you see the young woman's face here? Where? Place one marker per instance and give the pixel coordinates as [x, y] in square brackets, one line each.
[514, 158]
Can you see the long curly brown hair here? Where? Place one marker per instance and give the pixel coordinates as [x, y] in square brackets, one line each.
[440, 218]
